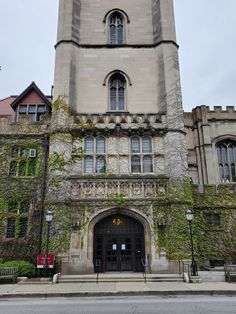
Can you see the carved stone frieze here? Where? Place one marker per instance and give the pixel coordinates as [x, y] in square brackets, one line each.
[130, 188]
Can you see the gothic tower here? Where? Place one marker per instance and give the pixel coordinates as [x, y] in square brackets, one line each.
[117, 71]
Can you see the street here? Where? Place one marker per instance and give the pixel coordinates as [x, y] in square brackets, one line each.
[118, 305]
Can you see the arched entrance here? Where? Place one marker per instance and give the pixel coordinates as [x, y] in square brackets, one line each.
[118, 244]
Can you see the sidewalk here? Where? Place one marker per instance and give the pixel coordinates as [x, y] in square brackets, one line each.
[45, 290]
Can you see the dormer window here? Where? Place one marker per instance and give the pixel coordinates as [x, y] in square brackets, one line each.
[32, 110]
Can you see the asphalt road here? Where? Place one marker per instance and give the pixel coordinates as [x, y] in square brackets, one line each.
[118, 305]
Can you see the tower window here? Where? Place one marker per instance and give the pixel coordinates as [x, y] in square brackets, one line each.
[95, 158]
[141, 154]
[117, 86]
[116, 34]
[226, 153]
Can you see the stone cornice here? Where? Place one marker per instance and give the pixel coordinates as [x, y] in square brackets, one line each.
[102, 46]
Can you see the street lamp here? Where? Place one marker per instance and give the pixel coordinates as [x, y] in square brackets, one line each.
[189, 217]
[49, 217]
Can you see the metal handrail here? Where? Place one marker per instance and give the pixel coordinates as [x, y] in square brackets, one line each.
[97, 266]
[144, 264]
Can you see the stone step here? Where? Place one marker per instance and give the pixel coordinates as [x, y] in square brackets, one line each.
[121, 278]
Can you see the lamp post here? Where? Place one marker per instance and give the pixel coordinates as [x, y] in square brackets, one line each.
[49, 217]
[189, 217]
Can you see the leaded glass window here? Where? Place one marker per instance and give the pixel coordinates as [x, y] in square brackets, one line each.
[135, 144]
[226, 153]
[140, 161]
[95, 158]
[17, 218]
[117, 86]
[23, 226]
[100, 145]
[88, 164]
[147, 144]
[135, 164]
[147, 164]
[116, 33]
[100, 164]
[11, 228]
[89, 145]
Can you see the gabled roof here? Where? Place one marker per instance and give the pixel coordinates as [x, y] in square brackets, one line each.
[31, 87]
[5, 106]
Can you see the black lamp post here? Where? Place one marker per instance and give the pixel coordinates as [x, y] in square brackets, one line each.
[49, 217]
[189, 217]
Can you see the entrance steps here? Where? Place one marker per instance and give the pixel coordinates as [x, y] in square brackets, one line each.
[121, 277]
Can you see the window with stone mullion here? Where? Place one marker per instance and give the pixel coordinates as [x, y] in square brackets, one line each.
[94, 162]
[226, 153]
[17, 219]
[116, 29]
[117, 93]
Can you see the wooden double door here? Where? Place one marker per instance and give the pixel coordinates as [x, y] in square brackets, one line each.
[118, 245]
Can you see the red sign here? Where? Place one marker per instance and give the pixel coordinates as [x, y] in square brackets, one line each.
[41, 260]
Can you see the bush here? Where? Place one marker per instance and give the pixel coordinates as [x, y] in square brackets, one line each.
[25, 269]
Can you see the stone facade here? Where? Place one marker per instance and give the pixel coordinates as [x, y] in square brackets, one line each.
[87, 151]
[206, 128]
[85, 62]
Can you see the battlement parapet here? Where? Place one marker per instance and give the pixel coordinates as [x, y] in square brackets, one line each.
[205, 114]
[214, 189]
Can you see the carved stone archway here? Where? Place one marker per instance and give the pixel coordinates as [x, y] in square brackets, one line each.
[121, 211]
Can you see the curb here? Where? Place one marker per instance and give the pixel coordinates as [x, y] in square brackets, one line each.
[119, 293]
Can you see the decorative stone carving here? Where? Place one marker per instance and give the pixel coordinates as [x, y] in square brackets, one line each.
[103, 188]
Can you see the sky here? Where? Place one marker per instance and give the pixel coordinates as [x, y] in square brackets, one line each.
[206, 34]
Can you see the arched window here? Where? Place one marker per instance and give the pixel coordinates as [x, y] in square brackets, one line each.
[100, 145]
[135, 144]
[226, 153]
[135, 164]
[147, 144]
[116, 34]
[117, 86]
[89, 145]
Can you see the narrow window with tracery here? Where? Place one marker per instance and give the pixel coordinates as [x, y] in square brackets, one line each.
[116, 34]
[226, 153]
[117, 87]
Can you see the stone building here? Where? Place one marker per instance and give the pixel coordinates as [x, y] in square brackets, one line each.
[24, 142]
[109, 157]
[117, 71]
[211, 144]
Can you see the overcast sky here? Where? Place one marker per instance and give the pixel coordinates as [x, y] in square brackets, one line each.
[206, 34]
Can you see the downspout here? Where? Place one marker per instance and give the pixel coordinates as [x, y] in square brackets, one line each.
[45, 146]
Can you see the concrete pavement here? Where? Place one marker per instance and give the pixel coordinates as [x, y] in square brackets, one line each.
[45, 290]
